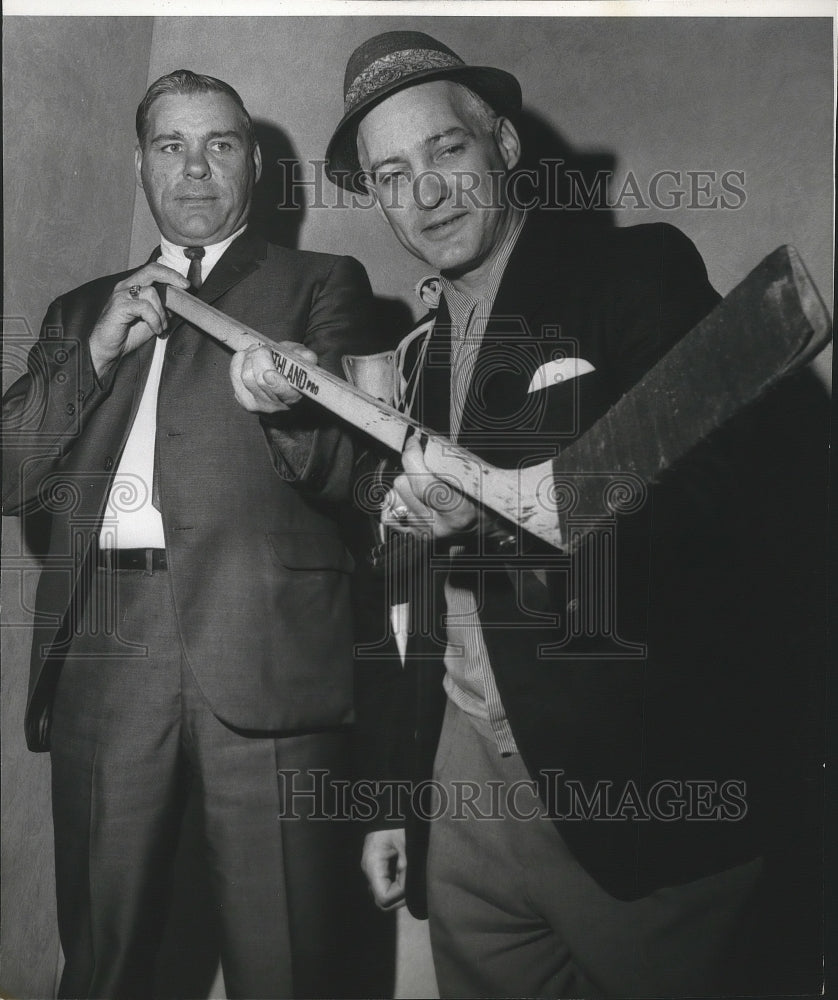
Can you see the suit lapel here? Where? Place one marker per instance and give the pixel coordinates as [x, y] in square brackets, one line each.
[433, 391]
[529, 275]
[242, 257]
[497, 406]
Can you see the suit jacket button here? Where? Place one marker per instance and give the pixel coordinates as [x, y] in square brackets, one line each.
[108, 463]
[71, 408]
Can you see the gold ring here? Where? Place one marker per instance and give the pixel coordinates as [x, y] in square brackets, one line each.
[134, 291]
[400, 513]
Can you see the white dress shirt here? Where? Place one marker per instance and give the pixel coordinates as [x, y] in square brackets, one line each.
[131, 521]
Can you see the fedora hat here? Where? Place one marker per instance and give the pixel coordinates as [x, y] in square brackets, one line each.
[393, 61]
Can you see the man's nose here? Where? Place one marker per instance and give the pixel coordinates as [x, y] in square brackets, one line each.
[197, 166]
[430, 189]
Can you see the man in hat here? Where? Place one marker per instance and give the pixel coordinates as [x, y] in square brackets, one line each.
[193, 625]
[617, 765]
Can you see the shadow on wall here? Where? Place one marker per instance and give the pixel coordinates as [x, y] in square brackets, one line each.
[560, 177]
[278, 212]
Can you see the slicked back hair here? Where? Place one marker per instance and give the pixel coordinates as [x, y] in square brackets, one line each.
[482, 114]
[184, 81]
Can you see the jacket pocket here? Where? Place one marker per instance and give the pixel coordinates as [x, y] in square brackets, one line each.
[310, 550]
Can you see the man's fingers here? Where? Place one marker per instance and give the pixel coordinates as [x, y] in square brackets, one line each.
[437, 493]
[386, 892]
[298, 351]
[392, 900]
[384, 863]
[130, 302]
[413, 460]
[261, 377]
[246, 391]
[401, 495]
[150, 273]
[257, 385]
[147, 297]
[243, 394]
[236, 367]
[403, 511]
[152, 313]
[271, 380]
[125, 323]
[435, 502]
[126, 311]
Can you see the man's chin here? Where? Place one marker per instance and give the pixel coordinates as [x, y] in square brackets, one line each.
[456, 265]
[450, 261]
[199, 231]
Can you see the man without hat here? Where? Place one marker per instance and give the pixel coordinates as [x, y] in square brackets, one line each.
[193, 624]
[653, 727]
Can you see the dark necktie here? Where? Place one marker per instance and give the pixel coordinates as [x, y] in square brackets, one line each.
[193, 276]
[195, 255]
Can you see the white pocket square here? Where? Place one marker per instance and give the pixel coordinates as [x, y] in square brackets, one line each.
[559, 370]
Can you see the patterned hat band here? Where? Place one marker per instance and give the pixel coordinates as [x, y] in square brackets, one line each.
[391, 61]
[393, 67]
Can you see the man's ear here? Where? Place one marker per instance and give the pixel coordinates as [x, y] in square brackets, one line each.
[509, 142]
[257, 162]
[138, 165]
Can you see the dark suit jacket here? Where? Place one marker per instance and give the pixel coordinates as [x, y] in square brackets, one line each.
[259, 572]
[701, 667]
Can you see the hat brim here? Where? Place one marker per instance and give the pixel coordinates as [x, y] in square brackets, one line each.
[499, 89]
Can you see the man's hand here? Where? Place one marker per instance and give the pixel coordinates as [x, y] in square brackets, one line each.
[420, 502]
[129, 320]
[258, 386]
[384, 862]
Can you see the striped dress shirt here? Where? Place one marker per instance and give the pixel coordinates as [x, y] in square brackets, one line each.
[469, 681]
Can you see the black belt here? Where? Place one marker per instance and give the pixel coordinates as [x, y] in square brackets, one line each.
[148, 560]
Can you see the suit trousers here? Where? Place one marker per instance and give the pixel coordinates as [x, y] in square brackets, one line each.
[512, 913]
[132, 735]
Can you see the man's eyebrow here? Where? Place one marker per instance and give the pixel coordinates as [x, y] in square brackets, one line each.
[178, 135]
[429, 141]
[166, 136]
[230, 133]
[447, 134]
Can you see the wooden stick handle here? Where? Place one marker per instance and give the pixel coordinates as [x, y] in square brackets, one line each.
[382, 422]
[498, 489]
